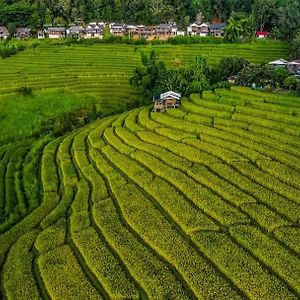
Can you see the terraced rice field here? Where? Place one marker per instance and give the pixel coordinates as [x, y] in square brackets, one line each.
[104, 70]
[66, 78]
[200, 202]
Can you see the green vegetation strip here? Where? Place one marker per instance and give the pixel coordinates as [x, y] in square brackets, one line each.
[192, 203]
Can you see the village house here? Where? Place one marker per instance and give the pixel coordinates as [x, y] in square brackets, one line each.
[41, 34]
[174, 30]
[117, 29]
[198, 30]
[141, 31]
[231, 79]
[180, 33]
[132, 31]
[262, 34]
[23, 33]
[164, 31]
[192, 29]
[294, 66]
[75, 32]
[4, 33]
[216, 30]
[94, 30]
[166, 100]
[203, 30]
[148, 32]
[56, 32]
[282, 63]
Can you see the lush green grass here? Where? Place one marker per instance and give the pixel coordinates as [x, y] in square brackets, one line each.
[65, 78]
[23, 116]
[197, 202]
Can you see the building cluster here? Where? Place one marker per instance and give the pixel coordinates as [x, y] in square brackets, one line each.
[204, 29]
[96, 30]
[293, 66]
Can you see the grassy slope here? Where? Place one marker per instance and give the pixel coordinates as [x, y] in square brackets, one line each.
[82, 75]
[198, 202]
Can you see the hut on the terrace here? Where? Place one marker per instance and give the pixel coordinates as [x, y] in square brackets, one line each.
[167, 100]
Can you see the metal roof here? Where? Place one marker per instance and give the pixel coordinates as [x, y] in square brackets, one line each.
[280, 61]
[172, 94]
[61, 29]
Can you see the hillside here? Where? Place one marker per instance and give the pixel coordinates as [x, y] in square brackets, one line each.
[65, 78]
[195, 203]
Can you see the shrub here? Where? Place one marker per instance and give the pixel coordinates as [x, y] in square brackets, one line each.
[24, 90]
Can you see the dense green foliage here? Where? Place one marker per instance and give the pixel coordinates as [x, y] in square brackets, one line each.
[153, 77]
[283, 16]
[200, 201]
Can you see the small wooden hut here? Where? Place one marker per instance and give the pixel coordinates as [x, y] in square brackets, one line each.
[167, 100]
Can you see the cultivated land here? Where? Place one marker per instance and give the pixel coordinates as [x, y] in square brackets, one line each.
[200, 202]
[64, 78]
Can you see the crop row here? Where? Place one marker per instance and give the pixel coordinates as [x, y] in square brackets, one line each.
[230, 137]
[119, 159]
[156, 230]
[260, 213]
[190, 153]
[145, 266]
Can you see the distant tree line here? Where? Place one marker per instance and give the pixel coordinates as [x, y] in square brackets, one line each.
[280, 16]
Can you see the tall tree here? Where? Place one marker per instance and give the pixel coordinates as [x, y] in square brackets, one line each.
[288, 18]
[263, 11]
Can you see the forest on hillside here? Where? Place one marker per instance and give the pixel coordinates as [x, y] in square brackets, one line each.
[280, 16]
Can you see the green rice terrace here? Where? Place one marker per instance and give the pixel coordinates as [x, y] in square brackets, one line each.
[200, 202]
[96, 74]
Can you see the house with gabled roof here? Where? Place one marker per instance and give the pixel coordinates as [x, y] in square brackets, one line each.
[23, 33]
[279, 63]
[294, 66]
[41, 34]
[56, 32]
[216, 29]
[167, 100]
[262, 34]
[75, 32]
[164, 31]
[94, 30]
[203, 29]
[117, 29]
[192, 29]
[198, 29]
[4, 33]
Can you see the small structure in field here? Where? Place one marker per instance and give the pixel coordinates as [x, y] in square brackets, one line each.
[56, 32]
[231, 79]
[167, 100]
[294, 65]
[216, 29]
[4, 33]
[23, 33]
[41, 34]
[281, 63]
[262, 34]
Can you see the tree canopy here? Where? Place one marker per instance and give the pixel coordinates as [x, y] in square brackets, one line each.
[283, 15]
